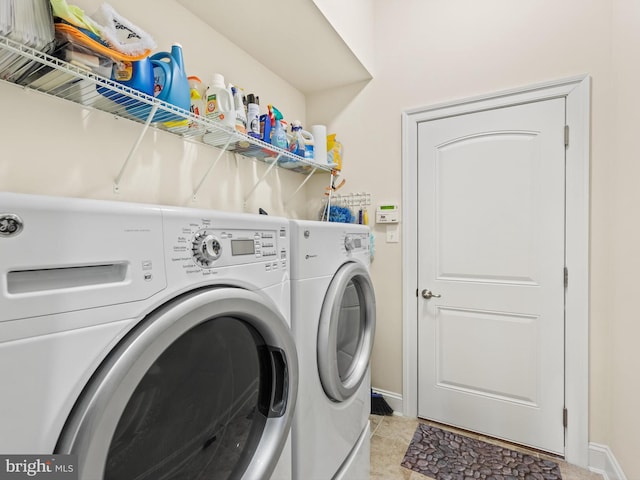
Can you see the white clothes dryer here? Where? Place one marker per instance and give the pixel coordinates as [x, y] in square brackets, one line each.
[333, 320]
[152, 342]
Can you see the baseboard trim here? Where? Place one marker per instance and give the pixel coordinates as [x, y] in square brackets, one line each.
[393, 399]
[602, 461]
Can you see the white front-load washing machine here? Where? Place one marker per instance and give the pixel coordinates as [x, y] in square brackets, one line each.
[152, 342]
[333, 320]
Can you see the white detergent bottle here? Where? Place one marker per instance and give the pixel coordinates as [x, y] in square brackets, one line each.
[220, 110]
[241, 116]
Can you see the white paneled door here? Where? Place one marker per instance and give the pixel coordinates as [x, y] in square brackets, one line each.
[491, 257]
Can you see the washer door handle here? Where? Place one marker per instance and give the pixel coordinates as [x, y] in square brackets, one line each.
[279, 383]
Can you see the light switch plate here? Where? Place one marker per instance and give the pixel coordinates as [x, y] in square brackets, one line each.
[393, 233]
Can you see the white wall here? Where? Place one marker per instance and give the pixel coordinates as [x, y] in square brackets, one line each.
[623, 240]
[52, 147]
[432, 51]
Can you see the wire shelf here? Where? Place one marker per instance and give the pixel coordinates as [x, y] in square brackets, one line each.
[40, 71]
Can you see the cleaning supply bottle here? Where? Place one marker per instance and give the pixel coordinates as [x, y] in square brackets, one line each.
[138, 74]
[220, 111]
[297, 141]
[170, 84]
[170, 79]
[253, 116]
[278, 135]
[198, 104]
[308, 144]
[220, 105]
[241, 116]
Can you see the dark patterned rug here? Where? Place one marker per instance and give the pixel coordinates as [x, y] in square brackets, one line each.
[446, 455]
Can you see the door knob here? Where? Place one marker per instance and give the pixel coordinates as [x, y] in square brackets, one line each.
[428, 294]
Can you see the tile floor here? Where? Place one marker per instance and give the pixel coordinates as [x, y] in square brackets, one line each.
[391, 435]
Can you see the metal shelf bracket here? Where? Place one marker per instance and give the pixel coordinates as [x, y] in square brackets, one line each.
[116, 185]
[302, 184]
[211, 167]
[260, 180]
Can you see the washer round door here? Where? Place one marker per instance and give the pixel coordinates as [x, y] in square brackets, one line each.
[346, 331]
[203, 388]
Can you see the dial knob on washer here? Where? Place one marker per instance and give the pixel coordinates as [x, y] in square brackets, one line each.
[348, 244]
[206, 249]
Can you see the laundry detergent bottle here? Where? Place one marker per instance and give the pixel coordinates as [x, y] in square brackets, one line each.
[220, 112]
[220, 106]
[137, 75]
[170, 79]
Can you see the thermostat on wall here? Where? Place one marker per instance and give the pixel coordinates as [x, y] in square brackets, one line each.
[388, 213]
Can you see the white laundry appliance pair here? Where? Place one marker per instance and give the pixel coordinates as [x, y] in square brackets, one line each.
[333, 323]
[152, 342]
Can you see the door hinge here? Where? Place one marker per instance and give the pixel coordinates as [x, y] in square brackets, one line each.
[417, 290]
[565, 416]
[566, 277]
[566, 135]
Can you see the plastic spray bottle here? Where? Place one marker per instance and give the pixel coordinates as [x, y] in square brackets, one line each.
[279, 136]
[297, 143]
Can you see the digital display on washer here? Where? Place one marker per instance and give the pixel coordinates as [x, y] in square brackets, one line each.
[358, 243]
[242, 247]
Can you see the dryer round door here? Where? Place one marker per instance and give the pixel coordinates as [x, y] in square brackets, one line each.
[204, 387]
[346, 331]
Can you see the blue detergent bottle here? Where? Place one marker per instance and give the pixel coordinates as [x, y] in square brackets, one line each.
[170, 84]
[137, 75]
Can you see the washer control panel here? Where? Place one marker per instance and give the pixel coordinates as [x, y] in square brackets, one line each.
[212, 247]
[356, 242]
[206, 245]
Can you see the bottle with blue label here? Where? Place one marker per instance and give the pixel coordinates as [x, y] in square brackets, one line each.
[170, 79]
[161, 75]
[297, 143]
[279, 136]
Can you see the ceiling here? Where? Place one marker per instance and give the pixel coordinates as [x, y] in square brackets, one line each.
[292, 38]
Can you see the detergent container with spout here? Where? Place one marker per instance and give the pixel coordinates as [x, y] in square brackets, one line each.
[137, 75]
[134, 74]
[170, 85]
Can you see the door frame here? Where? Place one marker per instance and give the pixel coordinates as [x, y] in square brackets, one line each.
[576, 91]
